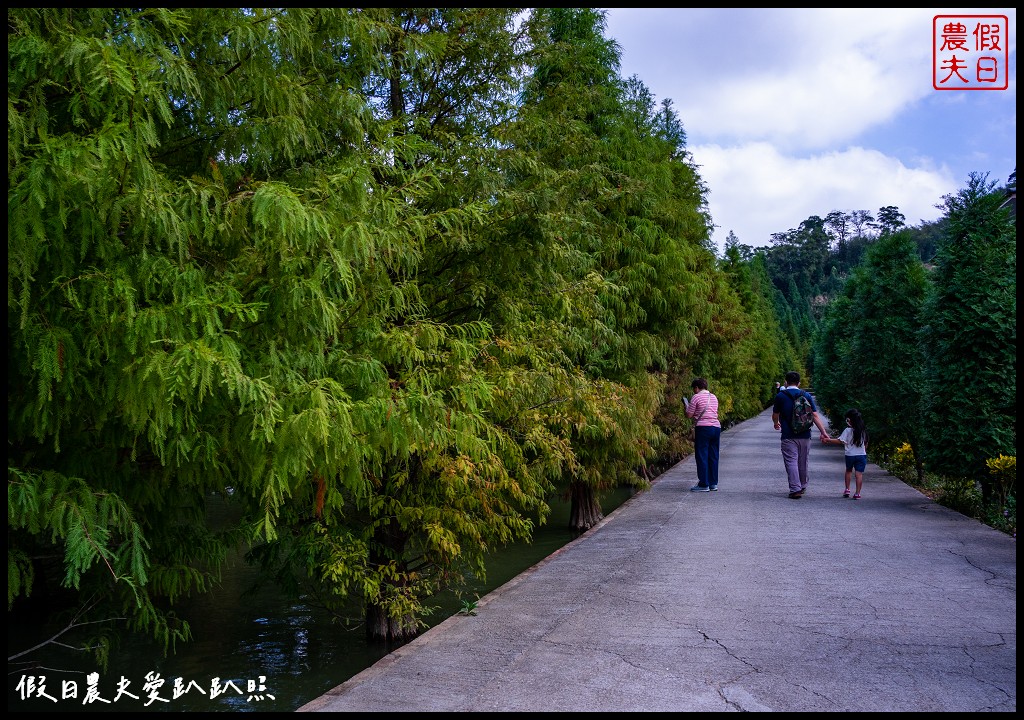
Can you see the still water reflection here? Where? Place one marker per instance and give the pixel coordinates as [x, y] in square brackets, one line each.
[254, 653]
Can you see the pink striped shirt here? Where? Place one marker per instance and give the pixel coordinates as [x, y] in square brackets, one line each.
[698, 403]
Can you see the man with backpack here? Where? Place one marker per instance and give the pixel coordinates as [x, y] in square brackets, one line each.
[794, 413]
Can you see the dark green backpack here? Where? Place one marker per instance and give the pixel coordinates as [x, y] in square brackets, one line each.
[801, 419]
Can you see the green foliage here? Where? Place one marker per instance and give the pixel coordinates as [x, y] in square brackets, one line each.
[90, 525]
[959, 493]
[631, 231]
[468, 607]
[1002, 518]
[1003, 470]
[927, 237]
[760, 353]
[103, 549]
[867, 352]
[382, 280]
[177, 269]
[890, 220]
[929, 356]
[970, 336]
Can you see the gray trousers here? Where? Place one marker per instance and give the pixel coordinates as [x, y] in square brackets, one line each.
[794, 456]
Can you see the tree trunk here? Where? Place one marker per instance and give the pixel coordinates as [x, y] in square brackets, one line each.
[389, 542]
[988, 494]
[584, 509]
[382, 628]
[918, 463]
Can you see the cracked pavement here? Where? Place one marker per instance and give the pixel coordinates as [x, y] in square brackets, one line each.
[737, 601]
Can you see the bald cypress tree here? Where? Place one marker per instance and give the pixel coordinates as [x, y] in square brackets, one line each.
[458, 468]
[759, 353]
[330, 267]
[637, 222]
[223, 239]
[176, 201]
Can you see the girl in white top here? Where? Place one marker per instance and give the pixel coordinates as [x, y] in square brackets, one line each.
[854, 439]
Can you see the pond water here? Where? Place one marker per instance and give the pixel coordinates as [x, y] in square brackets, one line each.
[267, 653]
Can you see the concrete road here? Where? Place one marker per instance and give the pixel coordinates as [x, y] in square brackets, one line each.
[740, 600]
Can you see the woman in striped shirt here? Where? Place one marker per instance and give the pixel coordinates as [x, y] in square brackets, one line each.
[703, 408]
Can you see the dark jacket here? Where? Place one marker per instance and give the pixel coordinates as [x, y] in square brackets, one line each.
[784, 407]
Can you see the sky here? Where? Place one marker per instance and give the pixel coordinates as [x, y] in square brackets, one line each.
[791, 113]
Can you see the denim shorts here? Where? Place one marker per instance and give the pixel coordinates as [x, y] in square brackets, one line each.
[856, 462]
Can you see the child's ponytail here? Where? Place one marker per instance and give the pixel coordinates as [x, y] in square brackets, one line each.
[860, 432]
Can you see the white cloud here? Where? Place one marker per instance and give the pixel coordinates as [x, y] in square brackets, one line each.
[791, 113]
[821, 77]
[756, 191]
